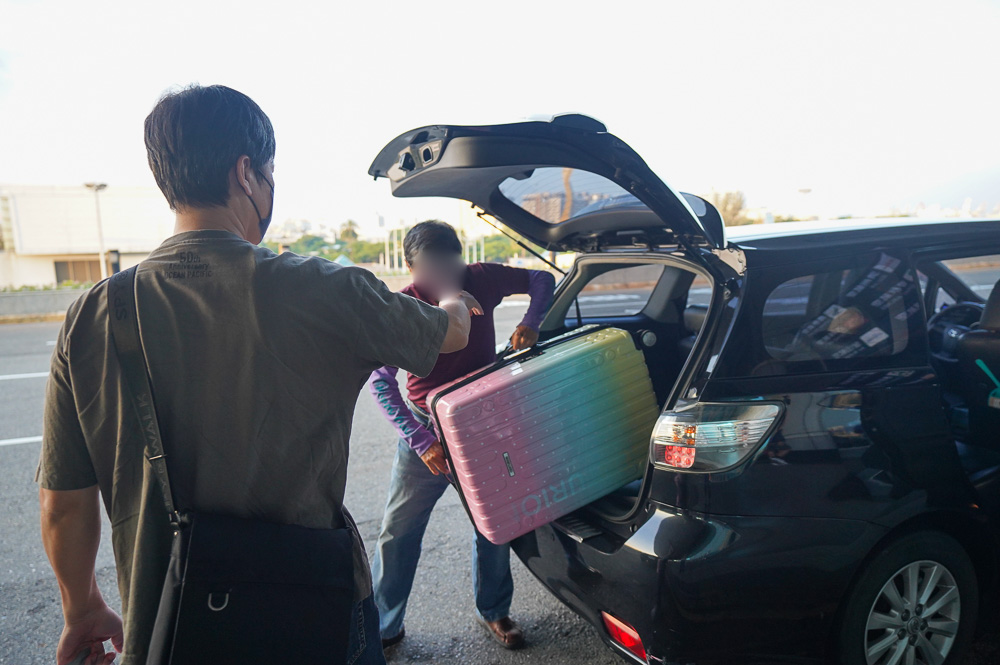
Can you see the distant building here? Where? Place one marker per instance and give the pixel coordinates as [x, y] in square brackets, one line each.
[551, 206]
[48, 234]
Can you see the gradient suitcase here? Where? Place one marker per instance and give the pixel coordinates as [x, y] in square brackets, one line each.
[547, 431]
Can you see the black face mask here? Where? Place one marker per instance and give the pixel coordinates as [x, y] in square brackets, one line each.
[263, 223]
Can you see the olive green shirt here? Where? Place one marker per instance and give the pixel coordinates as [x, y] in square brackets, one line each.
[256, 362]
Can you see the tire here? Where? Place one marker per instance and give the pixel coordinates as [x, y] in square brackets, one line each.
[884, 623]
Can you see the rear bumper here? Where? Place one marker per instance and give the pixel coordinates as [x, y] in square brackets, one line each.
[700, 588]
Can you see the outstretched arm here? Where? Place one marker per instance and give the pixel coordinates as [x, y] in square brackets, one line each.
[460, 309]
[71, 532]
[541, 286]
[421, 440]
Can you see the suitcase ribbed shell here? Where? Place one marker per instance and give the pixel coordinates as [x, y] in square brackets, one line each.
[533, 440]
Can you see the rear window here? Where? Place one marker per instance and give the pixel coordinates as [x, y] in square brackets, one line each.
[619, 292]
[555, 194]
[868, 309]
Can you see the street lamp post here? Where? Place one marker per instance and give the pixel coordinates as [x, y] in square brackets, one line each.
[97, 187]
[805, 192]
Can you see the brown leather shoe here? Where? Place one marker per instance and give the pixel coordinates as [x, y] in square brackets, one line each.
[394, 640]
[505, 631]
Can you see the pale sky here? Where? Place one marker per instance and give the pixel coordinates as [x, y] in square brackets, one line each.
[871, 105]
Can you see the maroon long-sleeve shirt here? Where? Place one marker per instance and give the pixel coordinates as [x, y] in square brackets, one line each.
[489, 283]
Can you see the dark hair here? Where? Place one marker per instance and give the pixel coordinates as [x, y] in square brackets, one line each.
[194, 137]
[432, 235]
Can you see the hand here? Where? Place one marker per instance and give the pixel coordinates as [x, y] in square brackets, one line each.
[523, 338]
[460, 308]
[90, 631]
[434, 459]
[475, 309]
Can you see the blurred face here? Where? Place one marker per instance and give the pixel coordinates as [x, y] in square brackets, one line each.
[438, 274]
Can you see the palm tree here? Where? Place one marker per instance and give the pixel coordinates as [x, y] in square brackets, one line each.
[349, 231]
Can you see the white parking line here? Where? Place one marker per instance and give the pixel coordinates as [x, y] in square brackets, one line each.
[23, 439]
[513, 303]
[32, 375]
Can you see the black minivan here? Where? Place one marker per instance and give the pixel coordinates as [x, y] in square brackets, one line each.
[824, 480]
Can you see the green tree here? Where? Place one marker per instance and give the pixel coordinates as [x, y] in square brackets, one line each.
[363, 251]
[499, 248]
[308, 244]
[731, 206]
[349, 231]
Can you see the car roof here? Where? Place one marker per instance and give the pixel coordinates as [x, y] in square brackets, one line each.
[852, 234]
[750, 232]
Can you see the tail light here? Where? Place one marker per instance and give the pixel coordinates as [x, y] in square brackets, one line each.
[710, 437]
[625, 635]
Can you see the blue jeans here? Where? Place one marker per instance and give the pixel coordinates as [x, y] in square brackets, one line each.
[413, 491]
[364, 647]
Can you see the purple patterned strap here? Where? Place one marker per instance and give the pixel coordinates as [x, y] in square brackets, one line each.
[385, 389]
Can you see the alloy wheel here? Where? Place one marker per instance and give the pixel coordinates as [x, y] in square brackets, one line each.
[915, 617]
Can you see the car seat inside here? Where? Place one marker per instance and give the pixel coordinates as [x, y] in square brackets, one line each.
[975, 407]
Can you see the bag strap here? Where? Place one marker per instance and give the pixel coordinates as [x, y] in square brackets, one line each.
[125, 334]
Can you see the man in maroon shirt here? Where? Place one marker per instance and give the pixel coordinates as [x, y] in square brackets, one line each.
[419, 471]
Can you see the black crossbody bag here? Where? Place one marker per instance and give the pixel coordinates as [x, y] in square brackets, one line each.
[237, 590]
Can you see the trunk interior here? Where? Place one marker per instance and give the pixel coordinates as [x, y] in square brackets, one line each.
[663, 302]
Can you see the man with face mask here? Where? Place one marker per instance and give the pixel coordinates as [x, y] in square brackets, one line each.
[433, 254]
[256, 361]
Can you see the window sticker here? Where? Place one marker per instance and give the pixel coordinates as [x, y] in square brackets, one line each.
[874, 336]
[869, 310]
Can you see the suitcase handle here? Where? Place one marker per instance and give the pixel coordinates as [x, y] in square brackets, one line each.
[531, 352]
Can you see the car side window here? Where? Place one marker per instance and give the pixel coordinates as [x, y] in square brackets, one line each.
[942, 298]
[619, 292]
[979, 273]
[700, 292]
[868, 308]
[958, 279]
[938, 299]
